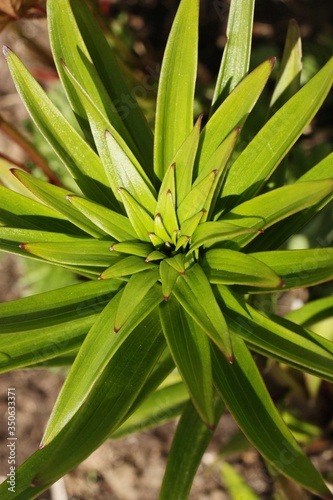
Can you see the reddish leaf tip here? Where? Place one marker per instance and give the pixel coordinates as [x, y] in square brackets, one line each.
[100, 277]
[147, 260]
[272, 60]
[22, 246]
[68, 197]
[166, 297]
[230, 359]
[111, 248]
[115, 329]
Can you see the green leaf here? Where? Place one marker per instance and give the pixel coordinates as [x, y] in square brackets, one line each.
[110, 222]
[85, 252]
[18, 211]
[236, 54]
[277, 338]
[190, 349]
[65, 34]
[232, 112]
[184, 161]
[11, 238]
[102, 412]
[56, 198]
[174, 111]
[123, 173]
[299, 268]
[242, 381]
[126, 267]
[162, 406]
[97, 351]
[168, 277]
[198, 198]
[235, 484]
[81, 161]
[188, 446]
[312, 312]
[274, 237]
[212, 232]
[134, 293]
[165, 211]
[267, 209]
[259, 159]
[194, 293]
[217, 162]
[229, 267]
[138, 248]
[289, 78]
[140, 219]
[45, 326]
[114, 82]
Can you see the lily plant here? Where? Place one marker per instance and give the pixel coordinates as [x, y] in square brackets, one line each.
[175, 232]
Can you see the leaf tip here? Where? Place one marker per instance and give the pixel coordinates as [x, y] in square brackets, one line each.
[6, 50]
[116, 329]
[22, 246]
[230, 359]
[272, 61]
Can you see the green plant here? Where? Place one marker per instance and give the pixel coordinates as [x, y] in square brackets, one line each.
[175, 240]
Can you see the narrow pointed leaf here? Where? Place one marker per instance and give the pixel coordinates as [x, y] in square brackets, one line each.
[134, 293]
[108, 70]
[160, 230]
[56, 198]
[281, 340]
[87, 252]
[99, 123]
[155, 255]
[140, 219]
[194, 293]
[236, 54]
[188, 446]
[168, 277]
[11, 238]
[232, 112]
[174, 112]
[184, 161]
[110, 222]
[190, 349]
[101, 414]
[300, 268]
[138, 248]
[177, 262]
[229, 267]
[289, 79]
[18, 211]
[190, 225]
[272, 143]
[267, 209]
[212, 232]
[78, 60]
[312, 312]
[197, 198]
[162, 406]
[123, 173]
[44, 326]
[97, 350]
[269, 434]
[276, 236]
[81, 161]
[125, 267]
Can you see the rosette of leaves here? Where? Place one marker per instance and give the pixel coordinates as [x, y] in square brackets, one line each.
[174, 232]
